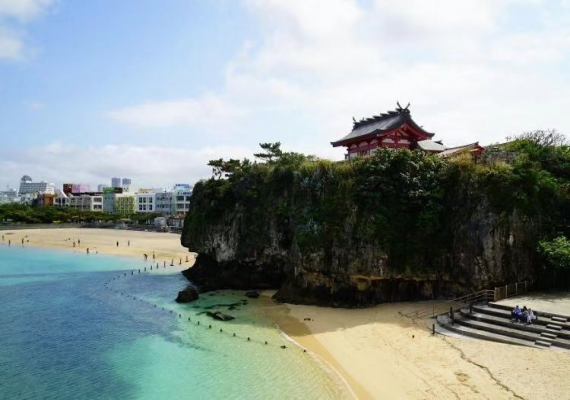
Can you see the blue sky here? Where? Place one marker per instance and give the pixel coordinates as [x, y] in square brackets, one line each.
[153, 89]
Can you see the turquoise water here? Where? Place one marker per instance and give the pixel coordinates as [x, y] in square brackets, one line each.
[66, 334]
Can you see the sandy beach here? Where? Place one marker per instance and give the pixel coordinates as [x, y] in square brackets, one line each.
[378, 352]
[166, 246]
[383, 354]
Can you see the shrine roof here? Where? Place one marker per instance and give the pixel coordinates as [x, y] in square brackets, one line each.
[380, 123]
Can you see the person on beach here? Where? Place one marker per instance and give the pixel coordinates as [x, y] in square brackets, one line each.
[531, 317]
[74, 243]
[79, 242]
[88, 250]
[153, 256]
[9, 243]
[129, 243]
[2, 237]
[22, 242]
[145, 257]
[117, 243]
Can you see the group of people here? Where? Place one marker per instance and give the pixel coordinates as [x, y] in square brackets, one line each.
[523, 315]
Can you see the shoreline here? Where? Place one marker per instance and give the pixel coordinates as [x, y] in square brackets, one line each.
[290, 328]
[373, 352]
[103, 241]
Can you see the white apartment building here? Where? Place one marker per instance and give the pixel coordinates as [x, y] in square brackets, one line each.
[82, 202]
[145, 202]
[28, 186]
[181, 198]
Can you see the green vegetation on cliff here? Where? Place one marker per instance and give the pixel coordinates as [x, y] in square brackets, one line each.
[397, 213]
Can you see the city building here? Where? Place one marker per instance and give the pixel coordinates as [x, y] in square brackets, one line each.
[9, 195]
[46, 199]
[164, 203]
[124, 204]
[116, 183]
[86, 202]
[76, 188]
[83, 202]
[28, 186]
[126, 184]
[101, 187]
[181, 193]
[109, 198]
[145, 201]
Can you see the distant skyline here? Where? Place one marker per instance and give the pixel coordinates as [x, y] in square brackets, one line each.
[154, 89]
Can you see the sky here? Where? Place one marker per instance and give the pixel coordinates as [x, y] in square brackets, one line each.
[153, 89]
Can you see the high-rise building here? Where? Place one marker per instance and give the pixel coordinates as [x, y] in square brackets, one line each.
[28, 186]
[126, 184]
[101, 187]
[116, 182]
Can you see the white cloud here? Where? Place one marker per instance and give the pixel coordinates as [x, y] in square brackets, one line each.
[11, 45]
[151, 166]
[13, 15]
[469, 70]
[208, 111]
[23, 9]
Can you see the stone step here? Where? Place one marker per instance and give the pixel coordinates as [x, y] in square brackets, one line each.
[559, 319]
[499, 330]
[499, 321]
[500, 311]
[554, 327]
[549, 335]
[542, 343]
[543, 314]
[482, 335]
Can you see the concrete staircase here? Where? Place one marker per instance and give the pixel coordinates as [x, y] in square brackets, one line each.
[493, 322]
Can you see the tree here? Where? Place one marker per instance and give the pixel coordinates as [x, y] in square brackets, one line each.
[556, 252]
[217, 166]
[543, 138]
[272, 151]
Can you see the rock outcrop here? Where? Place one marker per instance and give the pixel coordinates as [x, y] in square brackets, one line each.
[187, 295]
[291, 240]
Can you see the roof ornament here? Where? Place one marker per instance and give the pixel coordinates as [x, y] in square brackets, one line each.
[401, 110]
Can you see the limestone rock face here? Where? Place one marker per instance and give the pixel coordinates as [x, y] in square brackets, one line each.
[187, 295]
[482, 249]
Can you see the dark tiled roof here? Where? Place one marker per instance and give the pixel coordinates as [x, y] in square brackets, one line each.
[382, 122]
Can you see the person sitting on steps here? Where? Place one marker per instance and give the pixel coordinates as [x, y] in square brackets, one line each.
[515, 313]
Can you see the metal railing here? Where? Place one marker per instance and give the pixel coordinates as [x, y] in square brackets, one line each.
[482, 296]
[514, 289]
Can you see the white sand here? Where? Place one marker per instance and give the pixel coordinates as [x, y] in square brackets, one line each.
[385, 355]
[166, 246]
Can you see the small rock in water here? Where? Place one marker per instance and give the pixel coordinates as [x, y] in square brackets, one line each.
[220, 316]
[187, 295]
[252, 294]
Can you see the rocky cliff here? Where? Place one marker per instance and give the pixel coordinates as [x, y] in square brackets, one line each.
[391, 228]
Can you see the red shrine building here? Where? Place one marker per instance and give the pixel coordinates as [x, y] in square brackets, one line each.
[395, 130]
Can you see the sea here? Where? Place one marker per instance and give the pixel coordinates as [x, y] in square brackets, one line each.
[78, 326]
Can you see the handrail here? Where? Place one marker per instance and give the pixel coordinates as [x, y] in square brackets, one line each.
[459, 302]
